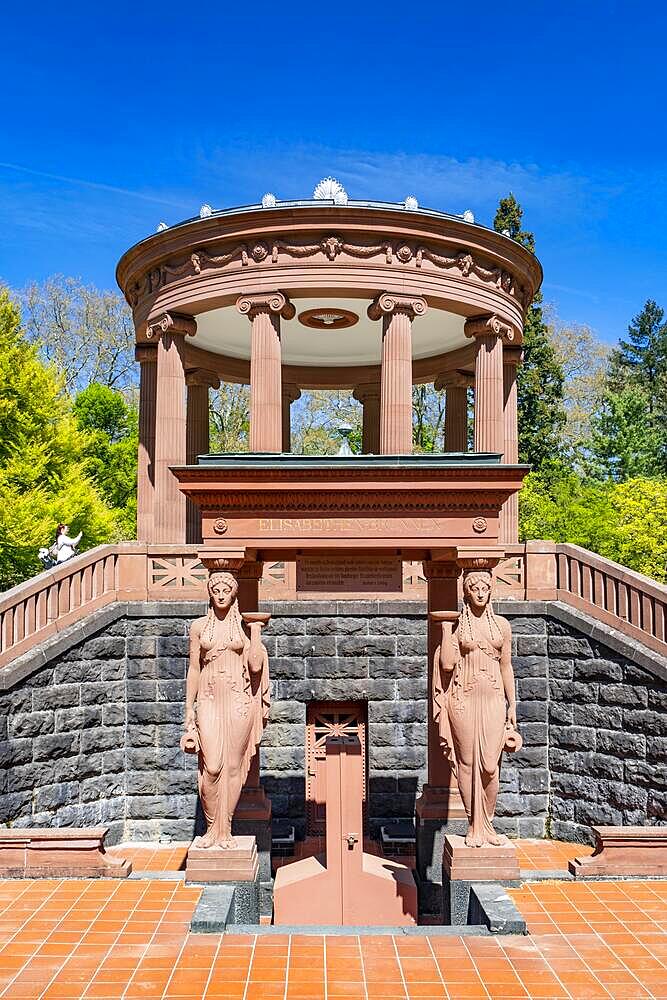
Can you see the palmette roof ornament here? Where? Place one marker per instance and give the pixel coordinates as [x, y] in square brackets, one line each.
[329, 189]
[411, 203]
[161, 226]
[205, 212]
[468, 216]
[268, 200]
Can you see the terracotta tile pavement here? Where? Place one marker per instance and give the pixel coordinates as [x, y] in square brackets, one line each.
[127, 940]
[533, 854]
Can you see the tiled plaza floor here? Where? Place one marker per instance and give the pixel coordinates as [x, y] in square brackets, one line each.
[533, 855]
[128, 939]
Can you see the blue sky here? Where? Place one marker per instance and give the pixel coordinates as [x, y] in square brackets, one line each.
[117, 116]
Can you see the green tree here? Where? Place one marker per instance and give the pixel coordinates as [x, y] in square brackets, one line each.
[641, 361]
[624, 442]
[87, 333]
[540, 377]
[428, 417]
[43, 479]
[111, 428]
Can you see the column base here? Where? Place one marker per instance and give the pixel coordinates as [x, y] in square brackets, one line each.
[439, 811]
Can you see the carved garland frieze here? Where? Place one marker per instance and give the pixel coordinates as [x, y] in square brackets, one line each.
[331, 247]
[427, 503]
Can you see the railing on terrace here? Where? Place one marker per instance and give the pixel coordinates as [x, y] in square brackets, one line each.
[130, 571]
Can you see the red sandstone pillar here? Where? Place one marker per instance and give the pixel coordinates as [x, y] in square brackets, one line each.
[440, 797]
[290, 394]
[171, 330]
[489, 332]
[455, 385]
[509, 514]
[397, 314]
[369, 397]
[147, 357]
[198, 383]
[254, 805]
[266, 407]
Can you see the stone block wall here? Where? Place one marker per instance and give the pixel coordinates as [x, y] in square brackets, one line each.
[89, 731]
[607, 737]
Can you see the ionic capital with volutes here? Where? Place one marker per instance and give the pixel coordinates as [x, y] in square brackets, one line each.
[290, 392]
[145, 354]
[200, 376]
[173, 323]
[512, 356]
[490, 325]
[454, 380]
[367, 391]
[387, 303]
[265, 302]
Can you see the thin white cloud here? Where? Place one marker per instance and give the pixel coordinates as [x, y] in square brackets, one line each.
[95, 185]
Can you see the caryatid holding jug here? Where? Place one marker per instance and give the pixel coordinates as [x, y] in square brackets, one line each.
[475, 702]
[227, 703]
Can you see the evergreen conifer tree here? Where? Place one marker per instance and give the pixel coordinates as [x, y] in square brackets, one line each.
[540, 377]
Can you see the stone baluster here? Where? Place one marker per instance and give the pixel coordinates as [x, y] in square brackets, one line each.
[170, 329]
[264, 311]
[397, 313]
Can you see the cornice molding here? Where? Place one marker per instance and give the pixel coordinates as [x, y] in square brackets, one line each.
[330, 247]
[433, 502]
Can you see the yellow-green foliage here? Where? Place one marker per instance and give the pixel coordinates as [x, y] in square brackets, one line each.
[42, 469]
[626, 522]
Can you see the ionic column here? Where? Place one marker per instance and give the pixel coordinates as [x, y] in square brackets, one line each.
[266, 414]
[489, 332]
[456, 386]
[147, 357]
[397, 313]
[508, 527]
[369, 397]
[198, 383]
[290, 394]
[170, 329]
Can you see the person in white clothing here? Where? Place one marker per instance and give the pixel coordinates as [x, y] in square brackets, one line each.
[65, 547]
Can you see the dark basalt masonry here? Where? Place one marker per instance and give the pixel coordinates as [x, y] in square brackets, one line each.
[90, 723]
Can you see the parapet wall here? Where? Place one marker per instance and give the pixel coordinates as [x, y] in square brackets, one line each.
[91, 722]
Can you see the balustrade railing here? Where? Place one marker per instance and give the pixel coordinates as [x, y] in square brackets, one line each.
[40, 608]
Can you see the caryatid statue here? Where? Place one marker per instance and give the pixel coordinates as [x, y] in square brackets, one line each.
[226, 704]
[475, 701]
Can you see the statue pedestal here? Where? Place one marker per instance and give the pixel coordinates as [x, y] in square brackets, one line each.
[439, 811]
[463, 865]
[220, 864]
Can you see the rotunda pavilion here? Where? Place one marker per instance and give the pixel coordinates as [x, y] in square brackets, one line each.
[326, 293]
